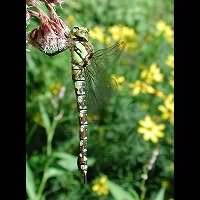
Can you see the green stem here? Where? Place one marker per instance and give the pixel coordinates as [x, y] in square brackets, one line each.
[43, 183]
[30, 135]
[48, 152]
[143, 186]
[50, 138]
[147, 168]
[143, 194]
[49, 146]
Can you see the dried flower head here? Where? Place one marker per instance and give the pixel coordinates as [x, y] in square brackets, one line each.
[28, 16]
[54, 2]
[51, 37]
[32, 2]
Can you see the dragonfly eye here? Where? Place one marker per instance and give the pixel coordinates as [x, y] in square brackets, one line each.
[76, 28]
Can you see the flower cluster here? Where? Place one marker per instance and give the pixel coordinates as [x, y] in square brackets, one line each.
[115, 33]
[167, 109]
[57, 89]
[100, 186]
[118, 81]
[152, 74]
[166, 30]
[170, 61]
[124, 33]
[97, 33]
[141, 87]
[151, 130]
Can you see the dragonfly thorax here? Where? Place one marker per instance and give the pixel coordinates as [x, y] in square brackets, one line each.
[82, 53]
[80, 33]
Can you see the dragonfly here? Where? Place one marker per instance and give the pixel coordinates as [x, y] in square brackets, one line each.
[91, 78]
[92, 83]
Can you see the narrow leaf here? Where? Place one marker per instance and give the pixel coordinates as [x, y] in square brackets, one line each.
[160, 195]
[45, 117]
[53, 172]
[69, 162]
[30, 183]
[91, 161]
[66, 161]
[119, 193]
[135, 194]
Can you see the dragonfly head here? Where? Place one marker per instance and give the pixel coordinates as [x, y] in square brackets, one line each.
[80, 33]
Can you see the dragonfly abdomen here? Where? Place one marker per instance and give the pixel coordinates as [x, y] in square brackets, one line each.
[80, 91]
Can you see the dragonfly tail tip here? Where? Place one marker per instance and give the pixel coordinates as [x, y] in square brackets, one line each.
[85, 177]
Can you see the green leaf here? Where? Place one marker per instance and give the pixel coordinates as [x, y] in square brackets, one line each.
[30, 183]
[45, 117]
[66, 161]
[69, 162]
[160, 195]
[135, 194]
[119, 193]
[91, 161]
[53, 172]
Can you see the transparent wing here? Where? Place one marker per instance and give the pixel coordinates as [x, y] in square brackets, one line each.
[99, 85]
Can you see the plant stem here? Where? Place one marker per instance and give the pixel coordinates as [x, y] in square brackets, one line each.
[49, 145]
[43, 182]
[48, 152]
[142, 187]
[50, 138]
[148, 167]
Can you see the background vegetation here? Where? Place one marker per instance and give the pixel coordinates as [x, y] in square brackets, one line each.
[130, 145]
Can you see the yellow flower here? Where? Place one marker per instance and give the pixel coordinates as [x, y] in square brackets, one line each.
[165, 184]
[56, 88]
[97, 34]
[141, 87]
[101, 186]
[159, 93]
[150, 130]
[70, 20]
[171, 167]
[118, 81]
[92, 117]
[167, 108]
[152, 74]
[37, 118]
[170, 61]
[125, 34]
[166, 30]
[171, 82]
[161, 26]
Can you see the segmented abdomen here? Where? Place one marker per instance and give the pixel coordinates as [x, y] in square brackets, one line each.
[78, 77]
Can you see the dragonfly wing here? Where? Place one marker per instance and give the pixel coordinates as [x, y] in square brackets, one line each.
[99, 84]
[112, 53]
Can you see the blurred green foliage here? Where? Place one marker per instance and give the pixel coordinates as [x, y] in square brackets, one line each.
[116, 148]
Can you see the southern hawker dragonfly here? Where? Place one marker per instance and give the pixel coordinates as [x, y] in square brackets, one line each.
[92, 82]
